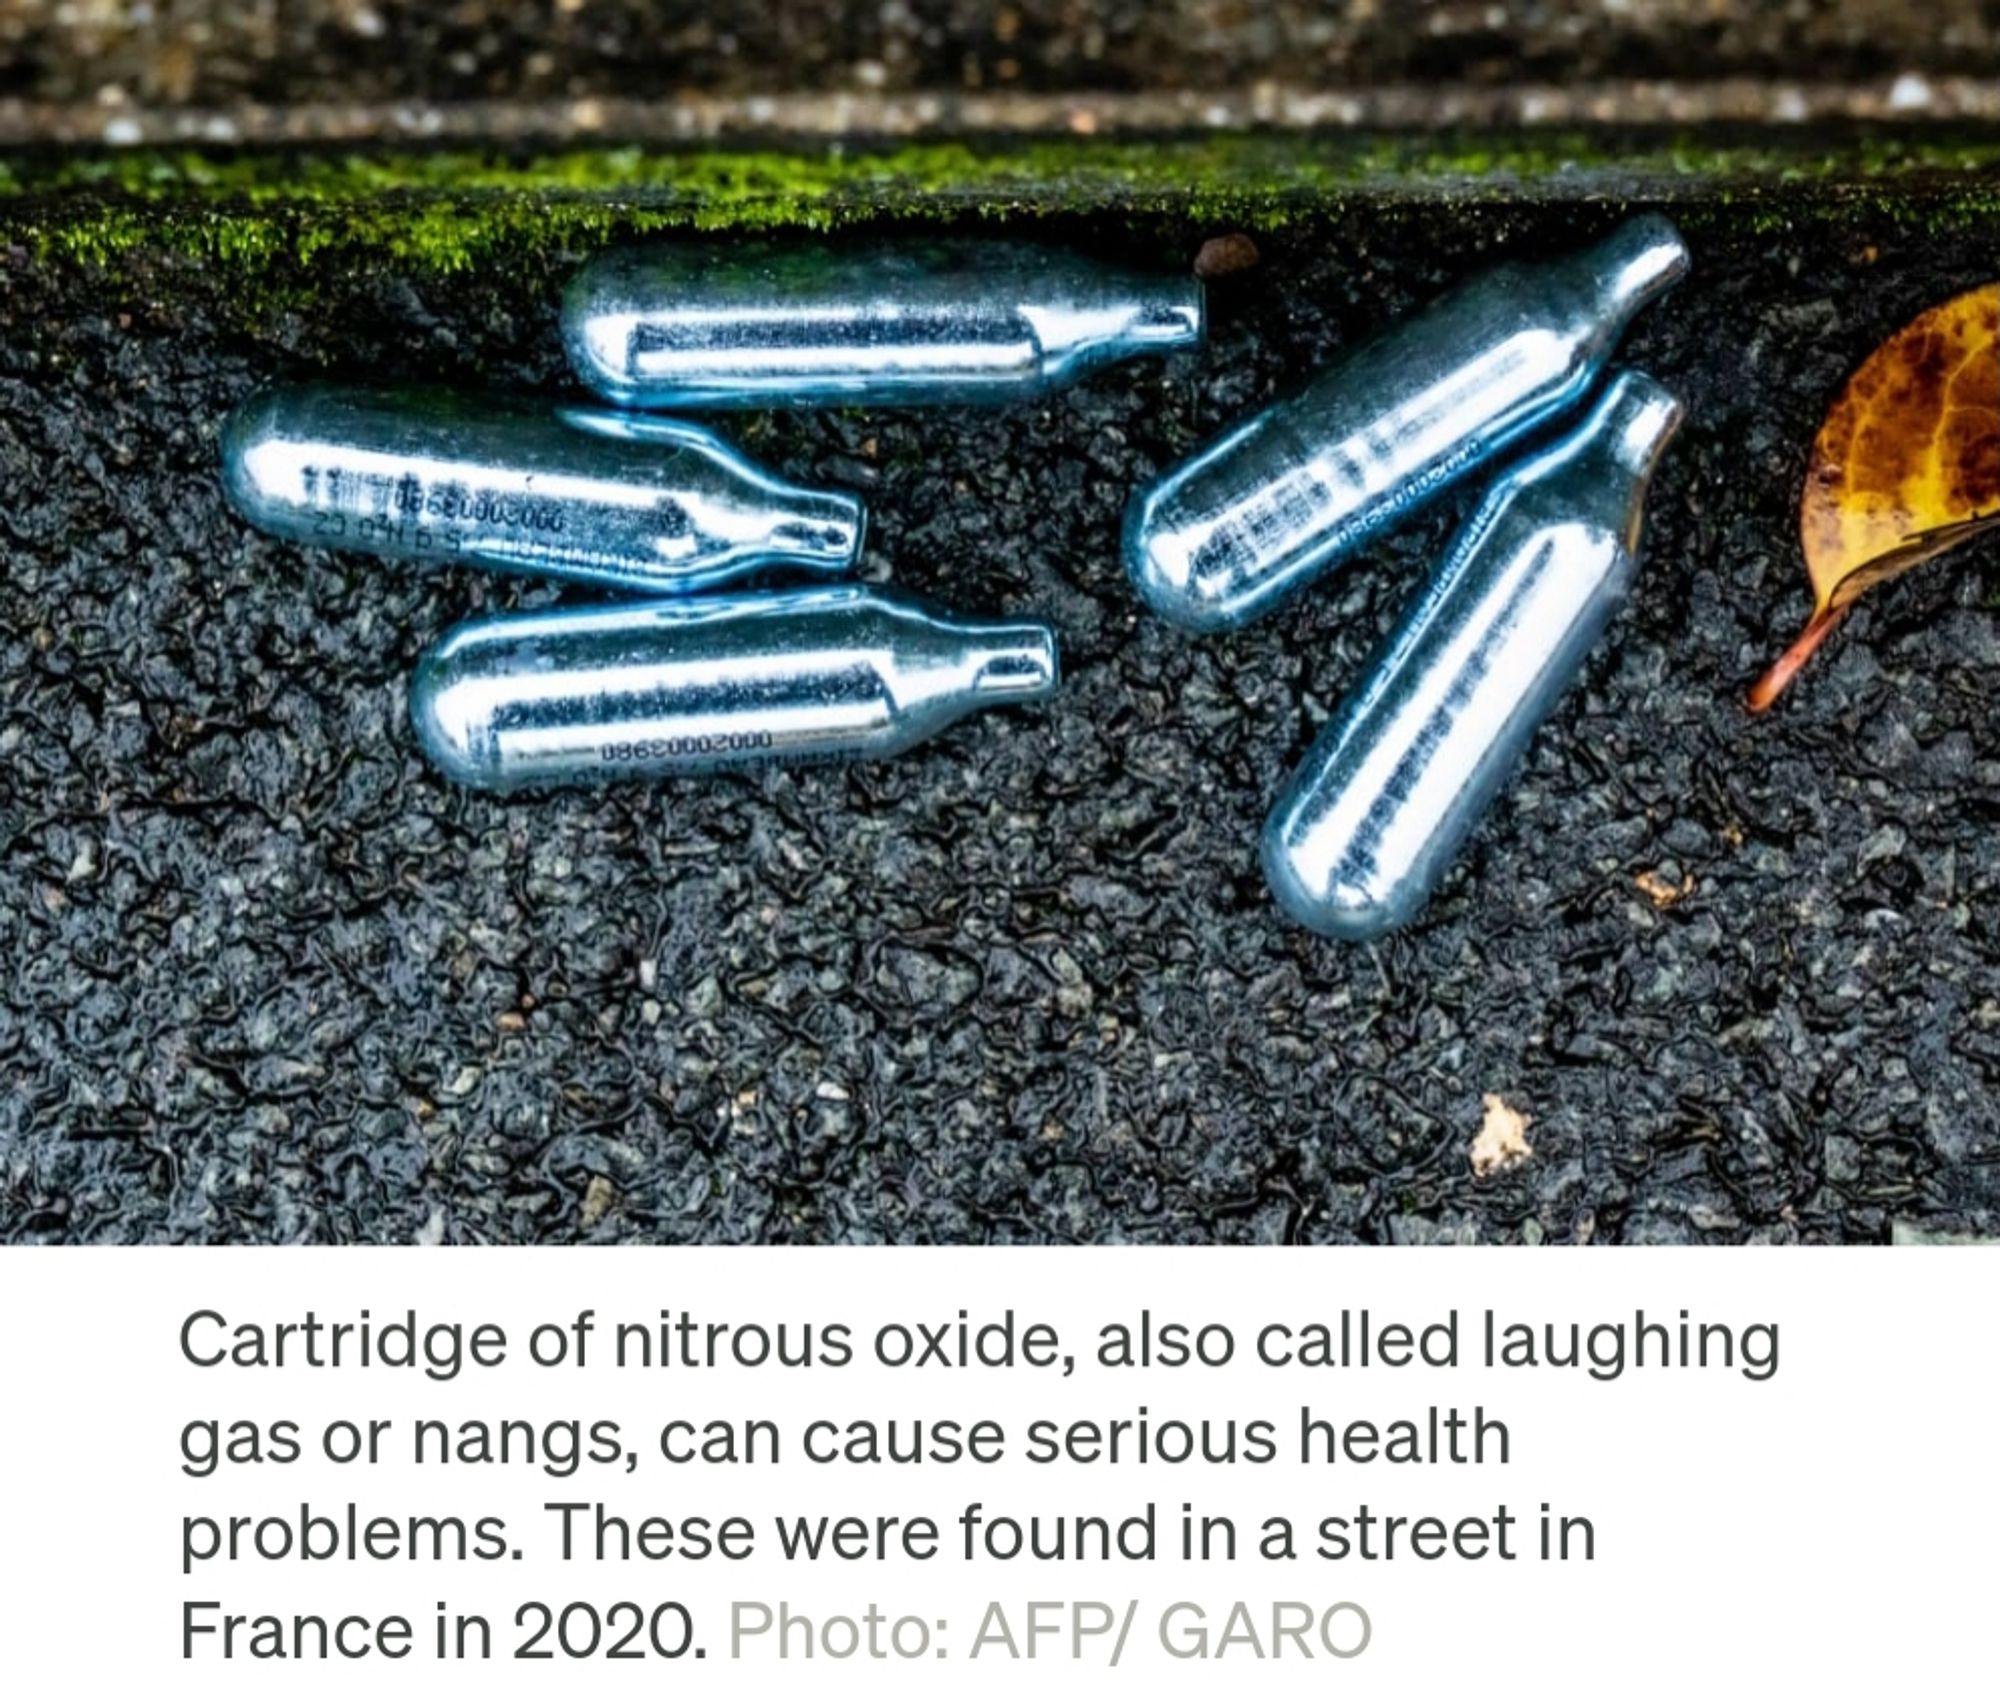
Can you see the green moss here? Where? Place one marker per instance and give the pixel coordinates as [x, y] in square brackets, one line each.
[790, 184]
[277, 220]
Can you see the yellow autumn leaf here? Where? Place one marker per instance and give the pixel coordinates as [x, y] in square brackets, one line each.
[1906, 465]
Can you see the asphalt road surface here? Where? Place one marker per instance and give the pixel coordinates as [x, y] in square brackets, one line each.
[270, 978]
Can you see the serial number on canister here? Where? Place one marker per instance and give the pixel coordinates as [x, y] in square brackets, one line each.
[342, 492]
[680, 746]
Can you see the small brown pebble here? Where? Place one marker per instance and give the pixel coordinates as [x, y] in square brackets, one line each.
[1501, 1144]
[598, 1198]
[1221, 256]
[1663, 893]
[512, 1021]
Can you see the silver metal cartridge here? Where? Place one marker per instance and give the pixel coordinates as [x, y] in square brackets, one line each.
[578, 494]
[1226, 535]
[721, 683]
[760, 326]
[1374, 814]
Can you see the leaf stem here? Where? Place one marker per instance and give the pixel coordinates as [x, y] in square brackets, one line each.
[1775, 680]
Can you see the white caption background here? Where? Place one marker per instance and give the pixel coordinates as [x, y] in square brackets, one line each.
[1825, 1532]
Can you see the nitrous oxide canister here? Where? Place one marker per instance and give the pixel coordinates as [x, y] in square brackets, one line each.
[726, 682]
[1284, 497]
[1375, 813]
[697, 325]
[579, 494]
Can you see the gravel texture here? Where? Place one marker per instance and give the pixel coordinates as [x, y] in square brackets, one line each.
[271, 979]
